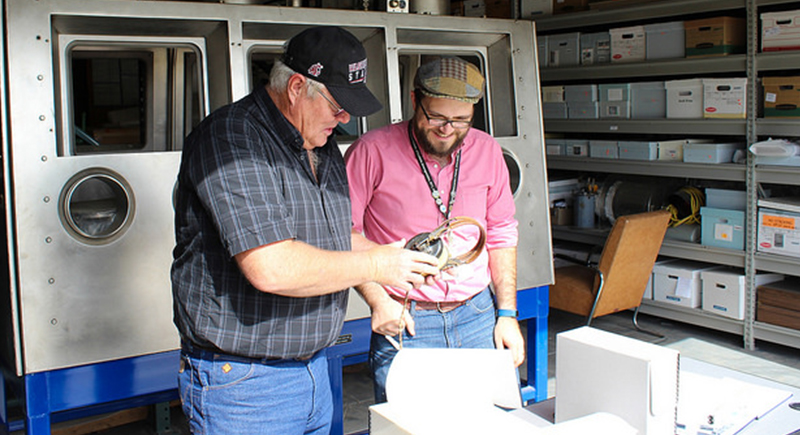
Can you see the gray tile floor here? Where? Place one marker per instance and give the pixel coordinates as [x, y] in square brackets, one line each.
[358, 387]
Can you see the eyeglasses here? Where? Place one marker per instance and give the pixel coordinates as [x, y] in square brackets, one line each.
[337, 110]
[441, 122]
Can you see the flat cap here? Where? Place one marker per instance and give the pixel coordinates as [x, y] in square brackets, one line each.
[450, 77]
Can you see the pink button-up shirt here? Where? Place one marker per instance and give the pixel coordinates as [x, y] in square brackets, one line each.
[391, 201]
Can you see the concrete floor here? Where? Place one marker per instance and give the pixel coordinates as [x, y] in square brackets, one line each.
[358, 387]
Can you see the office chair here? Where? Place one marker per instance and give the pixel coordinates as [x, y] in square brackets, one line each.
[619, 279]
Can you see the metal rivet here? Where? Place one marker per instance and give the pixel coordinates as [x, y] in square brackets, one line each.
[41, 118]
[44, 158]
[54, 321]
[48, 240]
[40, 77]
[46, 199]
[51, 281]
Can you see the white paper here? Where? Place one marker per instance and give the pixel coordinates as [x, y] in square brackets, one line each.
[683, 287]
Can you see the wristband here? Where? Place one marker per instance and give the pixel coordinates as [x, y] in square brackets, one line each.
[507, 313]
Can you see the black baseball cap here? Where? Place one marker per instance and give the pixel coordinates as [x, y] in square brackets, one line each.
[334, 57]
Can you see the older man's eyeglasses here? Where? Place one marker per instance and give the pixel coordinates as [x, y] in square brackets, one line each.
[441, 122]
[337, 110]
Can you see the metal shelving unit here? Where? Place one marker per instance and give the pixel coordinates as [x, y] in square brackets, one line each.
[750, 129]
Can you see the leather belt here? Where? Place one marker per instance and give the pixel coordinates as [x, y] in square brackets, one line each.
[441, 307]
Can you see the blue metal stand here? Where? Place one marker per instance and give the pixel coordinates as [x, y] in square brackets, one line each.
[76, 392]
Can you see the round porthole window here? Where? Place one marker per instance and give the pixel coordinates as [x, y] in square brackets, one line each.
[514, 171]
[96, 205]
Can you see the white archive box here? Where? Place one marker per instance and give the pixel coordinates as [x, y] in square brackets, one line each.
[679, 282]
[723, 290]
[628, 44]
[779, 226]
[648, 291]
[684, 98]
[467, 391]
[598, 371]
[725, 98]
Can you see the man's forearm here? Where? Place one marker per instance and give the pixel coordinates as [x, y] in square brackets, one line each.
[503, 268]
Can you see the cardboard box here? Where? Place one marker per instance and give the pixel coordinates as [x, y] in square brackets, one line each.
[426, 393]
[684, 98]
[628, 44]
[580, 93]
[673, 149]
[648, 100]
[704, 152]
[499, 9]
[554, 110]
[781, 97]
[637, 150]
[665, 40]
[615, 109]
[725, 98]
[723, 290]
[563, 50]
[648, 291]
[474, 8]
[778, 303]
[722, 228]
[614, 91]
[604, 149]
[541, 50]
[567, 6]
[779, 232]
[717, 36]
[595, 48]
[679, 282]
[553, 94]
[582, 110]
[555, 146]
[780, 31]
[598, 371]
[726, 199]
[533, 9]
[577, 148]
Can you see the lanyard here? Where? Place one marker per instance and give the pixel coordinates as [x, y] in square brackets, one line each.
[431, 185]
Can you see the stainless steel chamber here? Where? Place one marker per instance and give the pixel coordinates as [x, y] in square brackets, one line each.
[101, 93]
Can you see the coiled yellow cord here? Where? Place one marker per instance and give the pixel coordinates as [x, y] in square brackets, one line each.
[695, 202]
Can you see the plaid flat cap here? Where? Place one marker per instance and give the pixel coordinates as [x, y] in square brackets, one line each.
[450, 77]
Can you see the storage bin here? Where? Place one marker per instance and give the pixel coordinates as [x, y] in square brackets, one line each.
[723, 290]
[580, 93]
[615, 109]
[595, 48]
[684, 98]
[722, 228]
[614, 91]
[563, 49]
[604, 149]
[553, 94]
[679, 282]
[637, 150]
[780, 31]
[726, 199]
[648, 291]
[532, 9]
[717, 36]
[725, 98]
[781, 97]
[665, 40]
[555, 146]
[541, 50]
[582, 110]
[554, 110]
[779, 232]
[567, 6]
[698, 152]
[627, 44]
[648, 100]
[577, 148]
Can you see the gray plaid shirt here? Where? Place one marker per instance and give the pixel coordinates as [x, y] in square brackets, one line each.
[245, 182]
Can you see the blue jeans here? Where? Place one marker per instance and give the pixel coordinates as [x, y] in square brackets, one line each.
[468, 326]
[223, 394]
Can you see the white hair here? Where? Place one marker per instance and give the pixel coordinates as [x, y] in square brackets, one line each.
[279, 79]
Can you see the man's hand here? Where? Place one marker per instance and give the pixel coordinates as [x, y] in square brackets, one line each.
[389, 318]
[508, 336]
[401, 268]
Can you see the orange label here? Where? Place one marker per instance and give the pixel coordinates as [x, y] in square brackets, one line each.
[786, 223]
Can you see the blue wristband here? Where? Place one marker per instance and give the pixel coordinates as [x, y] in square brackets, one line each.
[507, 313]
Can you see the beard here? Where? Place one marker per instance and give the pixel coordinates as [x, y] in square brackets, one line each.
[427, 145]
